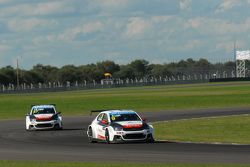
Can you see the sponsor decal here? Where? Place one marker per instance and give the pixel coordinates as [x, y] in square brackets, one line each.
[101, 137]
[43, 118]
[132, 126]
[113, 117]
[122, 112]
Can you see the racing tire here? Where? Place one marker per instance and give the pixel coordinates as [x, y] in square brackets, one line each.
[90, 135]
[28, 130]
[107, 136]
[150, 139]
[57, 127]
[61, 127]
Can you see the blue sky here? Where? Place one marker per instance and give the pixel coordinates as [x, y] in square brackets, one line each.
[60, 32]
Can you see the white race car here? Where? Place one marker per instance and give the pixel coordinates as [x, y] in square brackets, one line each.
[119, 126]
[43, 117]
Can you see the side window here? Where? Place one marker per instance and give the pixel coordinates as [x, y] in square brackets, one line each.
[99, 118]
[105, 117]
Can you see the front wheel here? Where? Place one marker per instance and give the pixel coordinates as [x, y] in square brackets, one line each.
[150, 139]
[58, 127]
[90, 136]
[27, 128]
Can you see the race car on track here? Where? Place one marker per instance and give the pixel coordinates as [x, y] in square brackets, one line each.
[43, 117]
[119, 126]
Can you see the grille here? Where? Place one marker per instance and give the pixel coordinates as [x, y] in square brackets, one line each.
[133, 129]
[134, 136]
[44, 125]
[43, 120]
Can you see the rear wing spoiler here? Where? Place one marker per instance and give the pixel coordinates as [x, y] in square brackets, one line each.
[94, 111]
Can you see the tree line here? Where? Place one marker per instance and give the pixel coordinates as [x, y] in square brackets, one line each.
[95, 72]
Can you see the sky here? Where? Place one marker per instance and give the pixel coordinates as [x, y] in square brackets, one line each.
[78, 32]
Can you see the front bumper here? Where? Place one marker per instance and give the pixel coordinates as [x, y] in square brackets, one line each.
[131, 135]
[44, 125]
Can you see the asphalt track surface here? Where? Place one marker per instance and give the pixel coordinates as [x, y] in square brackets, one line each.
[71, 144]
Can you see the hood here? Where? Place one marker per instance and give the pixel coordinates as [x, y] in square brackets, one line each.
[130, 124]
[43, 117]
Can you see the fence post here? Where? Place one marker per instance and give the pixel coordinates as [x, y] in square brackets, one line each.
[85, 83]
[232, 74]
[68, 84]
[173, 79]
[195, 77]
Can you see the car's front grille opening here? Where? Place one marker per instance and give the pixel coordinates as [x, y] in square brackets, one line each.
[134, 136]
[44, 125]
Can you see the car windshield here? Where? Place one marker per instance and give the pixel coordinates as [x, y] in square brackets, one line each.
[43, 111]
[124, 117]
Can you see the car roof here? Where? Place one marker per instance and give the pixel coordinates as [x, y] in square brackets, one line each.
[43, 106]
[112, 112]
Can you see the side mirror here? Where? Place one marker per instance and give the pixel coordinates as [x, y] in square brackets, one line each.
[144, 119]
[59, 112]
[27, 114]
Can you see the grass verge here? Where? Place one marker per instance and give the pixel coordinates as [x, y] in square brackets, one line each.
[230, 129]
[150, 98]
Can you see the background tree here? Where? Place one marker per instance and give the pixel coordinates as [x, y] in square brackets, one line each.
[8, 75]
[30, 77]
[136, 69]
[108, 66]
[202, 66]
[159, 70]
[69, 73]
[47, 73]
[140, 68]
[126, 71]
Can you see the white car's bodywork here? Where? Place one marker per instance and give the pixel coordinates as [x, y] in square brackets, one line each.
[119, 125]
[43, 117]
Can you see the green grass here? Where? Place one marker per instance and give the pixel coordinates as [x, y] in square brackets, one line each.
[154, 98]
[231, 129]
[78, 164]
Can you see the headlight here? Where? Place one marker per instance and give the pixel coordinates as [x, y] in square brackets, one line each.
[55, 117]
[118, 128]
[32, 118]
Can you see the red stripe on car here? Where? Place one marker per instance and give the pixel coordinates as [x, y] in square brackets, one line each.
[133, 126]
[101, 137]
[43, 118]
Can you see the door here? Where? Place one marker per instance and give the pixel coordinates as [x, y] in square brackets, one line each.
[102, 123]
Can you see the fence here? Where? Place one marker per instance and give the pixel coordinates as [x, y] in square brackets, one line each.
[110, 83]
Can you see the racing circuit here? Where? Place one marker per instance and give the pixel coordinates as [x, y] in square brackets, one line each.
[71, 144]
